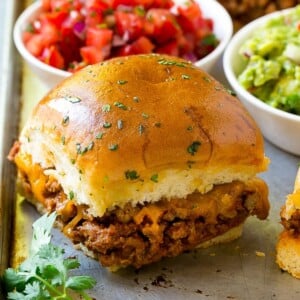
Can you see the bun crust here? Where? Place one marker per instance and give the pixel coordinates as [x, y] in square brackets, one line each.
[288, 253]
[141, 123]
[288, 245]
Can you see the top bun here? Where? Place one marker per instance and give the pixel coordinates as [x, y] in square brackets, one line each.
[141, 128]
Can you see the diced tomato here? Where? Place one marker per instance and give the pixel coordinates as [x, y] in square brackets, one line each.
[52, 57]
[98, 37]
[128, 25]
[142, 46]
[35, 45]
[80, 32]
[165, 24]
[56, 18]
[91, 54]
[46, 5]
[50, 33]
[26, 36]
[170, 48]
[70, 45]
[61, 5]
[162, 4]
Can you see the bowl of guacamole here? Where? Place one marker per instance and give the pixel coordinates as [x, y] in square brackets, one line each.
[262, 65]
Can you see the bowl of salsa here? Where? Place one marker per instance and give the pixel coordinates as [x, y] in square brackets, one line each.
[59, 37]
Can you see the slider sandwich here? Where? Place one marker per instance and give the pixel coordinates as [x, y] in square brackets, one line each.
[288, 245]
[143, 157]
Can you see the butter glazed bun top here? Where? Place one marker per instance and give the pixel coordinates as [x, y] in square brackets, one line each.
[139, 129]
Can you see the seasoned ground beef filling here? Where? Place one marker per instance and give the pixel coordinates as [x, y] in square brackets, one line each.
[292, 224]
[146, 233]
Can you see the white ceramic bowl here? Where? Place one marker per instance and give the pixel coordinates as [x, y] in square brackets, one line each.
[50, 76]
[279, 127]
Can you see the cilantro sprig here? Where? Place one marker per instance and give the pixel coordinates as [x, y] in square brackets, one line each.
[45, 273]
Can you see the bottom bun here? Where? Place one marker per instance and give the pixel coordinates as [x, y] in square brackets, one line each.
[288, 253]
[230, 235]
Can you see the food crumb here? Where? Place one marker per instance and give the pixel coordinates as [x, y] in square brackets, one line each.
[161, 281]
[212, 254]
[198, 291]
[136, 280]
[260, 254]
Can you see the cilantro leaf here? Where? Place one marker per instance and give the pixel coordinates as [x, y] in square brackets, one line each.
[45, 273]
[42, 232]
[78, 283]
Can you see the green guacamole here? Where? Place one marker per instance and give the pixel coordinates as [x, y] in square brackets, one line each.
[272, 57]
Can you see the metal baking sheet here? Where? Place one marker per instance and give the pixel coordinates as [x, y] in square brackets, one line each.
[243, 269]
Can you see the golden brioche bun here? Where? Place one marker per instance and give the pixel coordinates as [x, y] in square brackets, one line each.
[138, 129]
[288, 253]
[288, 245]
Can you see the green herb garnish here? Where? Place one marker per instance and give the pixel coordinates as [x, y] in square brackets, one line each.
[65, 120]
[121, 82]
[167, 62]
[73, 99]
[106, 107]
[113, 147]
[184, 76]
[141, 128]
[145, 116]
[120, 124]
[136, 99]
[106, 125]
[71, 195]
[99, 135]
[193, 148]
[45, 273]
[120, 105]
[154, 178]
[131, 174]
[63, 140]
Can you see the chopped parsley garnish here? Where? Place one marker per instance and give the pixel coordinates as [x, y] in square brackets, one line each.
[106, 125]
[157, 124]
[65, 120]
[83, 150]
[145, 116]
[120, 124]
[164, 61]
[120, 105]
[184, 76]
[121, 82]
[72, 161]
[63, 140]
[113, 147]
[154, 178]
[141, 128]
[73, 99]
[71, 195]
[45, 273]
[207, 79]
[193, 148]
[99, 135]
[90, 146]
[106, 107]
[190, 128]
[131, 174]
[136, 99]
